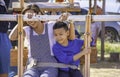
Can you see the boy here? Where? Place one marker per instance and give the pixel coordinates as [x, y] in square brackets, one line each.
[67, 51]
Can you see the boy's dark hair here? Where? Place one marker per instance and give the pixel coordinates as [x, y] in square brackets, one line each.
[59, 24]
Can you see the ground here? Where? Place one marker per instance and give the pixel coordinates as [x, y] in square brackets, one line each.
[105, 69]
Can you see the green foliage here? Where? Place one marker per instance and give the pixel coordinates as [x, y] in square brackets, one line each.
[109, 47]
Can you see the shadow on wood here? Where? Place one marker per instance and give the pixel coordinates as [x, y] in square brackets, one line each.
[93, 56]
[14, 57]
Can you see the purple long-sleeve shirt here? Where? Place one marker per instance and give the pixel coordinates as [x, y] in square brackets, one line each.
[64, 54]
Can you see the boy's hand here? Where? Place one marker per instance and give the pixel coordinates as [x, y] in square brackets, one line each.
[80, 54]
[87, 50]
[63, 17]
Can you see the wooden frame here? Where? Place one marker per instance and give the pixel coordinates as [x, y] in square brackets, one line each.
[68, 8]
[22, 18]
[54, 7]
[87, 18]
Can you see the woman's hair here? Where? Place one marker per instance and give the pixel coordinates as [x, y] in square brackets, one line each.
[60, 24]
[33, 7]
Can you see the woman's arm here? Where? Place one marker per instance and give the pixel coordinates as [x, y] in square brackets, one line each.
[14, 33]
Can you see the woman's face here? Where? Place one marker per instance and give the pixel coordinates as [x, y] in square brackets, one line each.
[30, 14]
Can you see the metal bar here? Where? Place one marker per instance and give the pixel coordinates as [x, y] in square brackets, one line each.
[6, 17]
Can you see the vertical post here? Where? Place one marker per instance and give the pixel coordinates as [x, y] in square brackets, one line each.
[90, 4]
[87, 45]
[87, 40]
[95, 7]
[102, 33]
[71, 1]
[20, 42]
[22, 4]
[20, 46]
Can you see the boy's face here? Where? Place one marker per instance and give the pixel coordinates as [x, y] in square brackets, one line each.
[61, 35]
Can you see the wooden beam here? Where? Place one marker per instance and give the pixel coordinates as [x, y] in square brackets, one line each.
[21, 4]
[87, 41]
[45, 6]
[6, 17]
[20, 46]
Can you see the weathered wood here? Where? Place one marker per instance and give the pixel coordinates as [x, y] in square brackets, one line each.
[6, 17]
[87, 41]
[93, 56]
[20, 46]
[21, 4]
[14, 57]
[114, 57]
[45, 6]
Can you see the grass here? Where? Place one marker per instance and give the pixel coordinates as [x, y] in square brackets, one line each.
[106, 68]
[109, 47]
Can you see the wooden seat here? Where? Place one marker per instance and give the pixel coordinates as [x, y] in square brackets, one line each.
[14, 57]
[93, 56]
[54, 7]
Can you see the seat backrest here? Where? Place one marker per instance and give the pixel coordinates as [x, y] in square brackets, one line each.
[93, 56]
[14, 57]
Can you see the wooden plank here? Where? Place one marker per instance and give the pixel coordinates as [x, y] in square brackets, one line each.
[93, 56]
[45, 6]
[14, 57]
[6, 17]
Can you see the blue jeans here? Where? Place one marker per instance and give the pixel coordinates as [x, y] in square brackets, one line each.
[13, 71]
[37, 72]
[70, 73]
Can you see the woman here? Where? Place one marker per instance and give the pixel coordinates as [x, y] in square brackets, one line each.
[39, 36]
